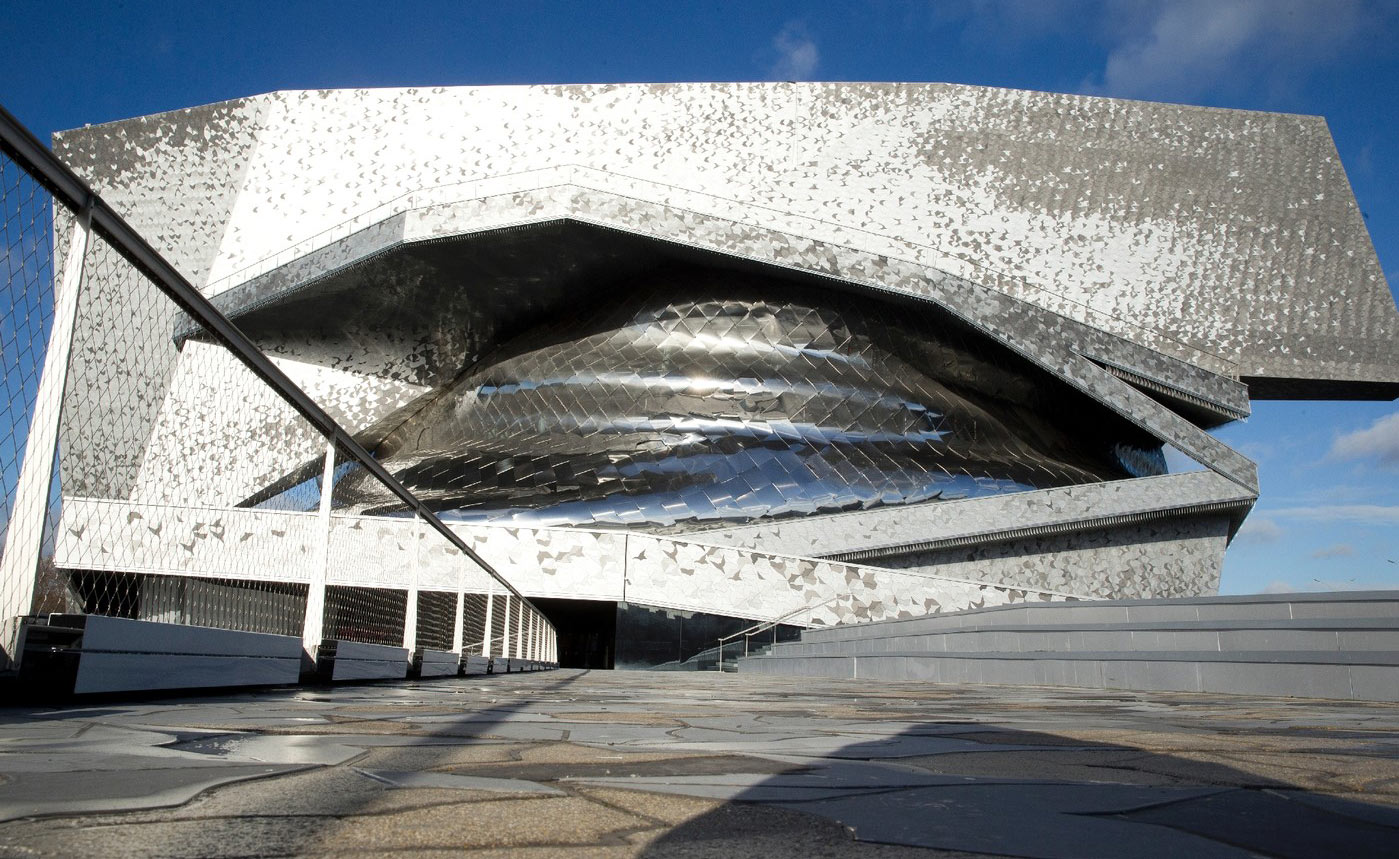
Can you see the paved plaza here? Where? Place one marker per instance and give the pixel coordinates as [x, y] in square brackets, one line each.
[642, 764]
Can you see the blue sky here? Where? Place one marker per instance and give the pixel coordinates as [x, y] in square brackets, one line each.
[1329, 515]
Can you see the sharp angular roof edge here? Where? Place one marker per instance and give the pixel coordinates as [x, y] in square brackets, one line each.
[1227, 239]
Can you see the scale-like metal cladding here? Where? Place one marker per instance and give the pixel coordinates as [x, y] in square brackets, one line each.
[719, 396]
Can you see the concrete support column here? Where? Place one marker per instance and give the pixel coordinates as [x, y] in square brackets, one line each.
[457, 631]
[410, 612]
[486, 635]
[505, 642]
[20, 565]
[313, 624]
[520, 633]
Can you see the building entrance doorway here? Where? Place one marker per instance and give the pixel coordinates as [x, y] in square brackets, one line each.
[587, 631]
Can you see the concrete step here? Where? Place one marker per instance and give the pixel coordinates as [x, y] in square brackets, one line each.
[1235, 610]
[1349, 635]
[1375, 678]
[1270, 657]
[1342, 645]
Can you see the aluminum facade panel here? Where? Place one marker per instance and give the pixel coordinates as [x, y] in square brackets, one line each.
[1231, 233]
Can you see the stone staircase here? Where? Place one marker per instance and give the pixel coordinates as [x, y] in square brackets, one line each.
[1329, 645]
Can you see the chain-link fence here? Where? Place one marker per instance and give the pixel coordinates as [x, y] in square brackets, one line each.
[158, 466]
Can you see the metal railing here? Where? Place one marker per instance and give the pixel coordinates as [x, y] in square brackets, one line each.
[192, 481]
[748, 633]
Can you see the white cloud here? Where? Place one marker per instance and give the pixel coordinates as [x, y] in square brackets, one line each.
[1379, 441]
[1357, 514]
[1002, 21]
[1349, 585]
[1259, 529]
[1365, 161]
[1181, 48]
[1341, 493]
[1340, 550]
[797, 54]
[1278, 586]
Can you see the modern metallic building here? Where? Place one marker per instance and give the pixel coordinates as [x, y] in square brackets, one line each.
[687, 356]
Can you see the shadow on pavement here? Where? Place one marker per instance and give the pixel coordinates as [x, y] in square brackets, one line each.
[989, 790]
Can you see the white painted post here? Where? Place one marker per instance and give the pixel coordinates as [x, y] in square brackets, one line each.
[505, 642]
[490, 603]
[313, 624]
[520, 634]
[457, 641]
[410, 611]
[20, 565]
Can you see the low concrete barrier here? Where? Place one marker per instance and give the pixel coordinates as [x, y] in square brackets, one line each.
[354, 660]
[122, 655]
[437, 663]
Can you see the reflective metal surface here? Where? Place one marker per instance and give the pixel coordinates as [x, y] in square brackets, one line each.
[696, 395]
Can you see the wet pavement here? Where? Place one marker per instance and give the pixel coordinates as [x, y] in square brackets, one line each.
[673, 764]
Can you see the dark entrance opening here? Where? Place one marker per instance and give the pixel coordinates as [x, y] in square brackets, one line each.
[587, 630]
[651, 637]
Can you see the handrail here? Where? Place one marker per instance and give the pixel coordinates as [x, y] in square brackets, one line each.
[470, 645]
[765, 625]
[762, 625]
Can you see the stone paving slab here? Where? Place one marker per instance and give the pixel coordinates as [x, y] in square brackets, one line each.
[395, 778]
[1060, 821]
[34, 794]
[673, 764]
